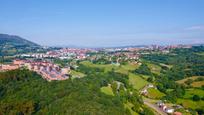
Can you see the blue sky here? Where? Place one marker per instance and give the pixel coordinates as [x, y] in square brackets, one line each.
[104, 22]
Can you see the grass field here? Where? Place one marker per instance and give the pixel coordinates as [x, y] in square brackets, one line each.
[201, 53]
[155, 94]
[198, 84]
[76, 74]
[154, 68]
[168, 66]
[145, 76]
[108, 67]
[107, 90]
[194, 84]
[183, 80]
[169, 90]
[137, 81]
[190, 92]
[187, 103]
[125, 69]
[129, 105]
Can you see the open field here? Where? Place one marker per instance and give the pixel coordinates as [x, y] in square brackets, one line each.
[187, 103]
[144, 76]
[129, 106]
[130, 67]
[155, 94]
[137, 81]
[201, 53]
[107, 90]
[154, 68]
[183, 80]
[76, 74]
[168, 66]
[190, 92]
[194, 84]
[108, 67]
[126, 68]
[198, 84]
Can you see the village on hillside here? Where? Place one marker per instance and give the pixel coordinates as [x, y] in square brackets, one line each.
[47, 70]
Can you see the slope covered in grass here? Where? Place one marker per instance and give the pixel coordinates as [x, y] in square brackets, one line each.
[137, 81]
[107, 90]
[155, 94]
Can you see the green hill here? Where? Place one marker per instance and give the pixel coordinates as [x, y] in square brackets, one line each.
[12, 44]
[15, 41]
[25, 92]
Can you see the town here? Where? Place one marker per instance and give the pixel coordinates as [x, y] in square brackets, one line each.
[132, 63]
[50, 71]
[47, 70]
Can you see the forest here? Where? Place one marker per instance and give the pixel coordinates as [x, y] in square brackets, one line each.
[25, 92]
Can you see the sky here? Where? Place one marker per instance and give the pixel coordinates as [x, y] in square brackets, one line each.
[96, 23]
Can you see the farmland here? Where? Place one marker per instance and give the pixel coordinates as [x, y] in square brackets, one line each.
[107, 90]
[155, 94]
[194, 82]
[137, 81]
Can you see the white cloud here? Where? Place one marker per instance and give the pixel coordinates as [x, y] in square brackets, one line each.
[197, 27]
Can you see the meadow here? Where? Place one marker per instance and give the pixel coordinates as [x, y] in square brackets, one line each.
[107, 90]
[155, 94]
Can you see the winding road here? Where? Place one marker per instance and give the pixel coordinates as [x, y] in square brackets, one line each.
[153, 106]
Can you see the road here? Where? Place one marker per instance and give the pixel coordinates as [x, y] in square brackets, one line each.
[153, 106]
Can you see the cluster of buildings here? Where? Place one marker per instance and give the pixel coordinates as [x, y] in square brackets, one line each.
[164, 107]
[161, 104]
[127, 55]
[115, 57]
[7, 67]
[47, 70]
[167, 47]
[144, 90]
[75, 53]
[81, 53]
[163, 48]
[169, 110]
[122, 54]
[64, 53]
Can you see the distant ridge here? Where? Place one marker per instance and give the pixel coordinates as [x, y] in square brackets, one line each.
[16, 41]
[11, 45]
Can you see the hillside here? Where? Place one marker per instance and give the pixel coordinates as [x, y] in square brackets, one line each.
[12, 44]
[25, 92]
[15, 40]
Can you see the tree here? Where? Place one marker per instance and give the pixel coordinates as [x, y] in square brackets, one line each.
[147, 112]
[189, 81]
[114, 87]
[196, 98]
[143, 69]
[150, 79]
